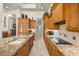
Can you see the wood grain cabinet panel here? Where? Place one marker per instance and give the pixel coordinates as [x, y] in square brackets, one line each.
[4, 34]
[72, 17]
[23, 25]
[59, 12]
[52, 48]
[68, 12]
[32, 24]
[49, 24]
[25, 49]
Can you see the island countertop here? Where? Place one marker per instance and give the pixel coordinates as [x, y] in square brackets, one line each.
[9, 47]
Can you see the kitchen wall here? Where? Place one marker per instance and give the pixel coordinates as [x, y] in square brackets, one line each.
[17, 14]
[34, 14]
[39, 29]
[30, 14]
[1, 19]
[8, 14]
[72, 37]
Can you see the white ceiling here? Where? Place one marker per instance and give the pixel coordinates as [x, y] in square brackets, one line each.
[27, 6]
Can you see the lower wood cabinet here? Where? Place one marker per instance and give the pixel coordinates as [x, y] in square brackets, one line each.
[25, 49]
[52, 49]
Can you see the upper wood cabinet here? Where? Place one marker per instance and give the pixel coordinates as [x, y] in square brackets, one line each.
[68, 12]
[23, 26]
[58, 12]
[48, 23]
[72, 17]
[32, 24]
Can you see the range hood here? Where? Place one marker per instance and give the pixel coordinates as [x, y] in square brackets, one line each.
[60, 23]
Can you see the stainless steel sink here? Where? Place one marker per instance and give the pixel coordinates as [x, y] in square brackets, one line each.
[61, 41]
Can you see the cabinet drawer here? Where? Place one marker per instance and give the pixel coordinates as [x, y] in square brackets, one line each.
[4, 34]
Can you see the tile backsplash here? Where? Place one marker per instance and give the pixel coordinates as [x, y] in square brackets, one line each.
[72, 37]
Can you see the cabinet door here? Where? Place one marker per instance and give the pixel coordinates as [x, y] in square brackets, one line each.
[32, 24]
[59, 12]
[22, 51]
[23, 25]
[48, 23]
[72, 18]
[27, 48]
[52, 49]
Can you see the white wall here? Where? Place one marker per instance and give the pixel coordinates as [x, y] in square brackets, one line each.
[1, 19]
[34, 14]
[30, 14]
[7, 13]
[15, 12]
[69, 35]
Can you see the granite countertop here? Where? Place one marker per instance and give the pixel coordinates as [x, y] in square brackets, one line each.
[9, 47]
[66, 49]
[69, 50]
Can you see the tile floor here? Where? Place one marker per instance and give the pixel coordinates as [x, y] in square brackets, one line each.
[39, 48]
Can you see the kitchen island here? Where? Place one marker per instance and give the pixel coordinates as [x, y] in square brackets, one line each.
[16, 46]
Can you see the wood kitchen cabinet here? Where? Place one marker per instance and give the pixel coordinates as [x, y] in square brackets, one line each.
[32, 24]
[51, 47]
[14, 32]
[4, 34]
[54, 50]
[48, 23]
[23, 25]
[72, 17]
[58, 12]
[25, 49]
[68, 12]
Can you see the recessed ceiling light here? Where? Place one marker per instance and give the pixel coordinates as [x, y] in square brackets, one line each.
[7, 7]
[29, 6]
[10, 15]
[41, 7]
